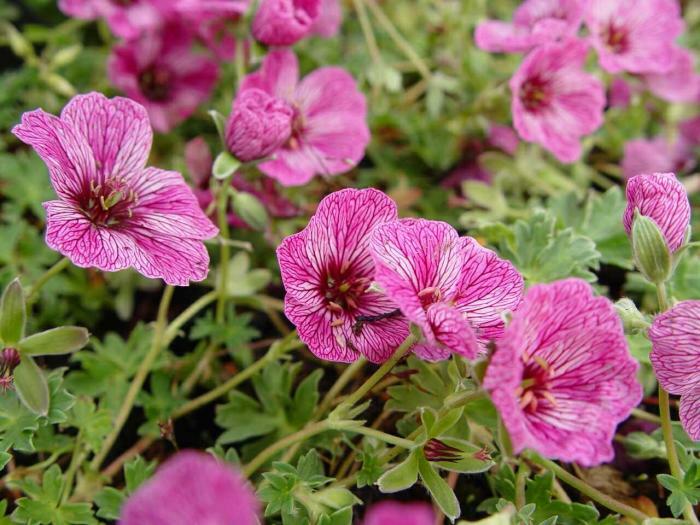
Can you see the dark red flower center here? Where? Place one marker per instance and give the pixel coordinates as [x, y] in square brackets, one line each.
[342, 289]
[155, 83]
[616, 38]
[9, 360]
[109, 203]
[535, 94]
[123, 3]
[535, 388]
[298, 128]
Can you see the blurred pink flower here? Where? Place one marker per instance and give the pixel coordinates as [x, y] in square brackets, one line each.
[656, 155]
[555, 102]
[113, 212]
[330, 17]
[690, 131]
[535, 22]
[398, 513]
[329, 129]
[662, 198]
[259, 124]
[284, 22]
[83, 9]
[214, 21]
[327, 271]
[192, 488]
[452, 288]
[675, 356]
[504, 138]
[620, 93]
[634, 36]
[562, 377]
[125, 19]
[680, 83]
[161, 71]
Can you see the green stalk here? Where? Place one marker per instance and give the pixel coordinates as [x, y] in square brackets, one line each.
[139, 378]
[47, 275]
[187, 314]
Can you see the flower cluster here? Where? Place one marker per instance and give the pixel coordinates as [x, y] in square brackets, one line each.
[555, 101]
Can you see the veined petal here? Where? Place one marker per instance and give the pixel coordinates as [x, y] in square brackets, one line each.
[451, 330]
[690, 413]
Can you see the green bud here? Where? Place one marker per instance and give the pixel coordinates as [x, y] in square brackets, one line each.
[20, 45]
[250, 209]
[31, 387]
[61, 340]
[650, 251]
[632, 319]
[13, 314]
[336, 498]
[225, 165]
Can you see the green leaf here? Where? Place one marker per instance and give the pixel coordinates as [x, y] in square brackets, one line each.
[249, 208]
[225, 165]
[220, 123]
[17, 425]
[109, 501]
[94, 424]
[441, 492]
[30, 384]
[61, 340]
[136, 472]
[402, 476]
[13, 314]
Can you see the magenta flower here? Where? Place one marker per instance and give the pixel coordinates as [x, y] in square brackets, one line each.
[327, 271]
[83, 9]
[555, 102]
[284, 22]
[126, 19]
[214, 21]
[452, 288]
[662, 198]
[192, 488]
[161, 71]
[657, 155]
[329, 19]
[397, 513]
[112, 211]
[620, 93]
[329, 129]
[632, 36]
[675, 356]
[259, 125]
[562, 377]
[504, 138]
[680, 83]
[535, 22]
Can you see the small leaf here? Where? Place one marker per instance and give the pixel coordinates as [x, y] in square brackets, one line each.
[441, 492]
[220, 123]
[61, 340]
[225, 165]
[31, 386]
[13, 314]
[249, 208]
[402, 476]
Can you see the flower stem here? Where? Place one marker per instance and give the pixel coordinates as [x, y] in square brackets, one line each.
[76, 459]
[382, 436]
[48, 274]
[403, 349]
[139, 378]
[584, 488]
[187, 314]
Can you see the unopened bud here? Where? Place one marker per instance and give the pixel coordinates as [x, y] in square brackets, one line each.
[632, 319]
[650, 251]
[457, 455]
[250, 209]
[9, 359]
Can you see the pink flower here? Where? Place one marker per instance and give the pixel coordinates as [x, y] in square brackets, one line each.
[690, 131]
[535, 22]
[327, 272]
[329, 19]
[634, 36]
[125, 19]
[504, 138]
[113, 212]
[620, 94]
[555, 102]
[397, 513]
[161, 71]
[562, 377]
[259, 124]
[191, 488]
[657, 155]
[452, 288]
[214, 21]
[284, 22]
[329, 129]
[83, 9]
[675, 356]
[663, 199]
[680, 83]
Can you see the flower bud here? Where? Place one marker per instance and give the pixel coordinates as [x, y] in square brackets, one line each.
[284, 22]
[259, 124]
[663, 199]
[250, 209]
[632, 319]
[457, 455]
[650, 251]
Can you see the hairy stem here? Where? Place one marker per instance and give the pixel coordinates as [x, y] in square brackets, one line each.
[139, 378]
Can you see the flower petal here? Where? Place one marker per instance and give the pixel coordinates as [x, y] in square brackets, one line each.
[278, 75]
[451, 330]
[690, 413]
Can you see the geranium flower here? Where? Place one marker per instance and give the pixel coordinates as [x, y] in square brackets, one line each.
[112, 211]
[555, 102]
[259, 124]
[329, 128]
[452, 288]
[284, 22]
[191, 488]
[680, 83]
[327, 271]
[656, 155]
[562, 377]
[675, 356]
[126, 19]
[620, 93]
[633, 36]
[398, 513]
[535, 22]
[161, 71]
[662, 198]
[329, 19]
